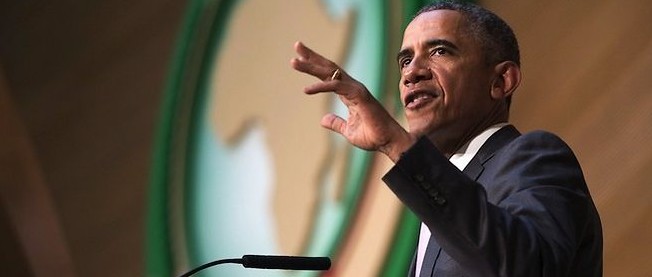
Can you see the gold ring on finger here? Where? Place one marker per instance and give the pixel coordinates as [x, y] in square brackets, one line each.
[337, 74]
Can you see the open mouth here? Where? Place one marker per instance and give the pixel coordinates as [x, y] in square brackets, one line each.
[418, 98]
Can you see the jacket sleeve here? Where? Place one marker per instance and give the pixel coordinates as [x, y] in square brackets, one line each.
[526, 215]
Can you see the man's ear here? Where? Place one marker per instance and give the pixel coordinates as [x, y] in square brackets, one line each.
[508, 77]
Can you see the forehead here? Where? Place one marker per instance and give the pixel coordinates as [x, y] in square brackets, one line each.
[438, 24]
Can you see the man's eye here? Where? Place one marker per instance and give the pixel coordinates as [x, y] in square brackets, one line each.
[405, 62]
[439, 52]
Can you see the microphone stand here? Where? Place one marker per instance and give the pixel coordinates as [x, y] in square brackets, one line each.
[213, 263]
[270, 262]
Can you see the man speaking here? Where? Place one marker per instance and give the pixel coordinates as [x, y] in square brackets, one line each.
[492, 202]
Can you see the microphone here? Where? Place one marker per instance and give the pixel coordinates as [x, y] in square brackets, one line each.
[271, 262]
[286, 262]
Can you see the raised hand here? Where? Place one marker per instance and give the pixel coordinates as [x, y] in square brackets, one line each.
[368, 126]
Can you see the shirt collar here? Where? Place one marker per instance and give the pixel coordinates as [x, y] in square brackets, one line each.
[464, 154]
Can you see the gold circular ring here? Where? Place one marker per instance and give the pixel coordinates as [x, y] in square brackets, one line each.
[337, 74]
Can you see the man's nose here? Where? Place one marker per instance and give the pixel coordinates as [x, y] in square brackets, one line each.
[415, 72]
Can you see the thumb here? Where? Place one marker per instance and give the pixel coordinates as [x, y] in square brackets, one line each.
[334, 123]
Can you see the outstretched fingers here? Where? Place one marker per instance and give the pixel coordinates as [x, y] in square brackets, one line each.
[310, 62]
[368, 126]
[326, 86]
[333, 122]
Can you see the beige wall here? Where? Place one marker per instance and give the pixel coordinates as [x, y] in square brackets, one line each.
[587, 67]
[85, 80]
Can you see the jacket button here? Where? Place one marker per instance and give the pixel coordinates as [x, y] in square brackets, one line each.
[433, 191]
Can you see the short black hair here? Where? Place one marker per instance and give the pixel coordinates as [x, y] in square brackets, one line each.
[497, 38]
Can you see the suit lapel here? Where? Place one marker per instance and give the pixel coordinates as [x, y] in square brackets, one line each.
[488, 149]
[473, 169]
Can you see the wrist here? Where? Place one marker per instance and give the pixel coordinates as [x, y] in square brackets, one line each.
[395, 148]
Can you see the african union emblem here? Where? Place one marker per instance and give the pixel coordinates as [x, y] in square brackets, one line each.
[242, 165]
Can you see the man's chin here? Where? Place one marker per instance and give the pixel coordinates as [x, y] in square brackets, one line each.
[420, 132]
[421, 127]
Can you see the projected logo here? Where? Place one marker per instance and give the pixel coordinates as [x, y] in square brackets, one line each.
[243, 166]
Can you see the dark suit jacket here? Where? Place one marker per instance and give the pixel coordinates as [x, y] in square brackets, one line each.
[520, 208]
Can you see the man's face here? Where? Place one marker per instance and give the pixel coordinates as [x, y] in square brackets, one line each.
[445, 81]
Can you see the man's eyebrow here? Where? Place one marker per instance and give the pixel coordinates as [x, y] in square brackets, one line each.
[443, 42]
[404, 52]
[430, 43]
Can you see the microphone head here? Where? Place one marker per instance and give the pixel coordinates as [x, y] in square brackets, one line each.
[286, 262]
